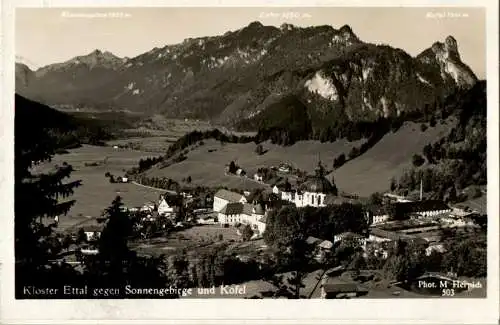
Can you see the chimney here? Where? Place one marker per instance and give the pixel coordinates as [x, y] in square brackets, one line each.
[421, 190]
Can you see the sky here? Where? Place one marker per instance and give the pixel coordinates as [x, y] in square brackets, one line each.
[50, 35]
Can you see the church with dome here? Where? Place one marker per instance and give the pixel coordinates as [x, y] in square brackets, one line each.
[312, 192]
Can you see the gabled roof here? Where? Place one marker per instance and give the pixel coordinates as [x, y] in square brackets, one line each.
[232, 208]
[228, 195]
[248, 209]
[252, 209]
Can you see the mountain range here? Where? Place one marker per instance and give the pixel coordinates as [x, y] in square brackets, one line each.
[236, 78]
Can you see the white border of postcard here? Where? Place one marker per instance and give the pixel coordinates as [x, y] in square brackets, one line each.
[213, 311]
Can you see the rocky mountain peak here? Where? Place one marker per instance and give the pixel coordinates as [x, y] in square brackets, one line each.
[238, 74]
[448, 57]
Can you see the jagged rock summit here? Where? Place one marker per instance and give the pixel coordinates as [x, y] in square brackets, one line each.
[236, 77]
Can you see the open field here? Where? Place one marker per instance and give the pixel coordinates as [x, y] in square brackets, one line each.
[190, 238]
[207, 168]
[154, 144]
[371, 172]
[159, 132]
[96, 193]
[479, 204]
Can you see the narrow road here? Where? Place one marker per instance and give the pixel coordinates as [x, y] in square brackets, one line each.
[154, 188]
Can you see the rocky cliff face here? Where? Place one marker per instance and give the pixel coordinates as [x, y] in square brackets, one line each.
[237, 76]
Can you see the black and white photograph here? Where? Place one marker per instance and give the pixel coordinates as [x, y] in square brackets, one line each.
[251, 153]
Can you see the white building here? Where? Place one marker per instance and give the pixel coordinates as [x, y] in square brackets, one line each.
[244, 213]
[223, 197]
[164, 209]
[92, 232]
[435, 248]
[377, 215]
[312, 192]
[258, 177]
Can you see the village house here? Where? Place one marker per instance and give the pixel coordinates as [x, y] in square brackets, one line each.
[92, 232]
[284, 168]
[148, 207]
[258, 177]
[320, 247]
[223, 197]
[122, 179]
[436, 247]
[240, 172]
[166, 206]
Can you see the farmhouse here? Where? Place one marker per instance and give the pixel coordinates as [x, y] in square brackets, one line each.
[223, 197]
[148, 207]
[122, 179]
[258, 177]
[320, 247]
[166, 206]
[284, 168]
[92, 232]
[435, 248]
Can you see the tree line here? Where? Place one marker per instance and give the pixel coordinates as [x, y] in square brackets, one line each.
[457, 160]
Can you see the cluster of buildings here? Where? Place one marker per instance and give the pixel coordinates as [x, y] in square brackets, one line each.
[315, 191]
[232, 209]
[417, 221]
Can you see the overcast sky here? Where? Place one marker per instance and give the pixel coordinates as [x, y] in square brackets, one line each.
[45, 36]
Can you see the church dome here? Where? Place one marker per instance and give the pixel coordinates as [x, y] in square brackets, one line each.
[317, 183]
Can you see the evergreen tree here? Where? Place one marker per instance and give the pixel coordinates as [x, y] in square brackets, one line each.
[38, 198]
[114, 254]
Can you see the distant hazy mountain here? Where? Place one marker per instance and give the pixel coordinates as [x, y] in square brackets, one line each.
[237, 76]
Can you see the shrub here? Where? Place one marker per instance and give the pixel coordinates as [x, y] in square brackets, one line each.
[418, 160]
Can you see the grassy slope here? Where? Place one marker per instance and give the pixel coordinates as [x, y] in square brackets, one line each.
[208, 168]
[372, 171]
